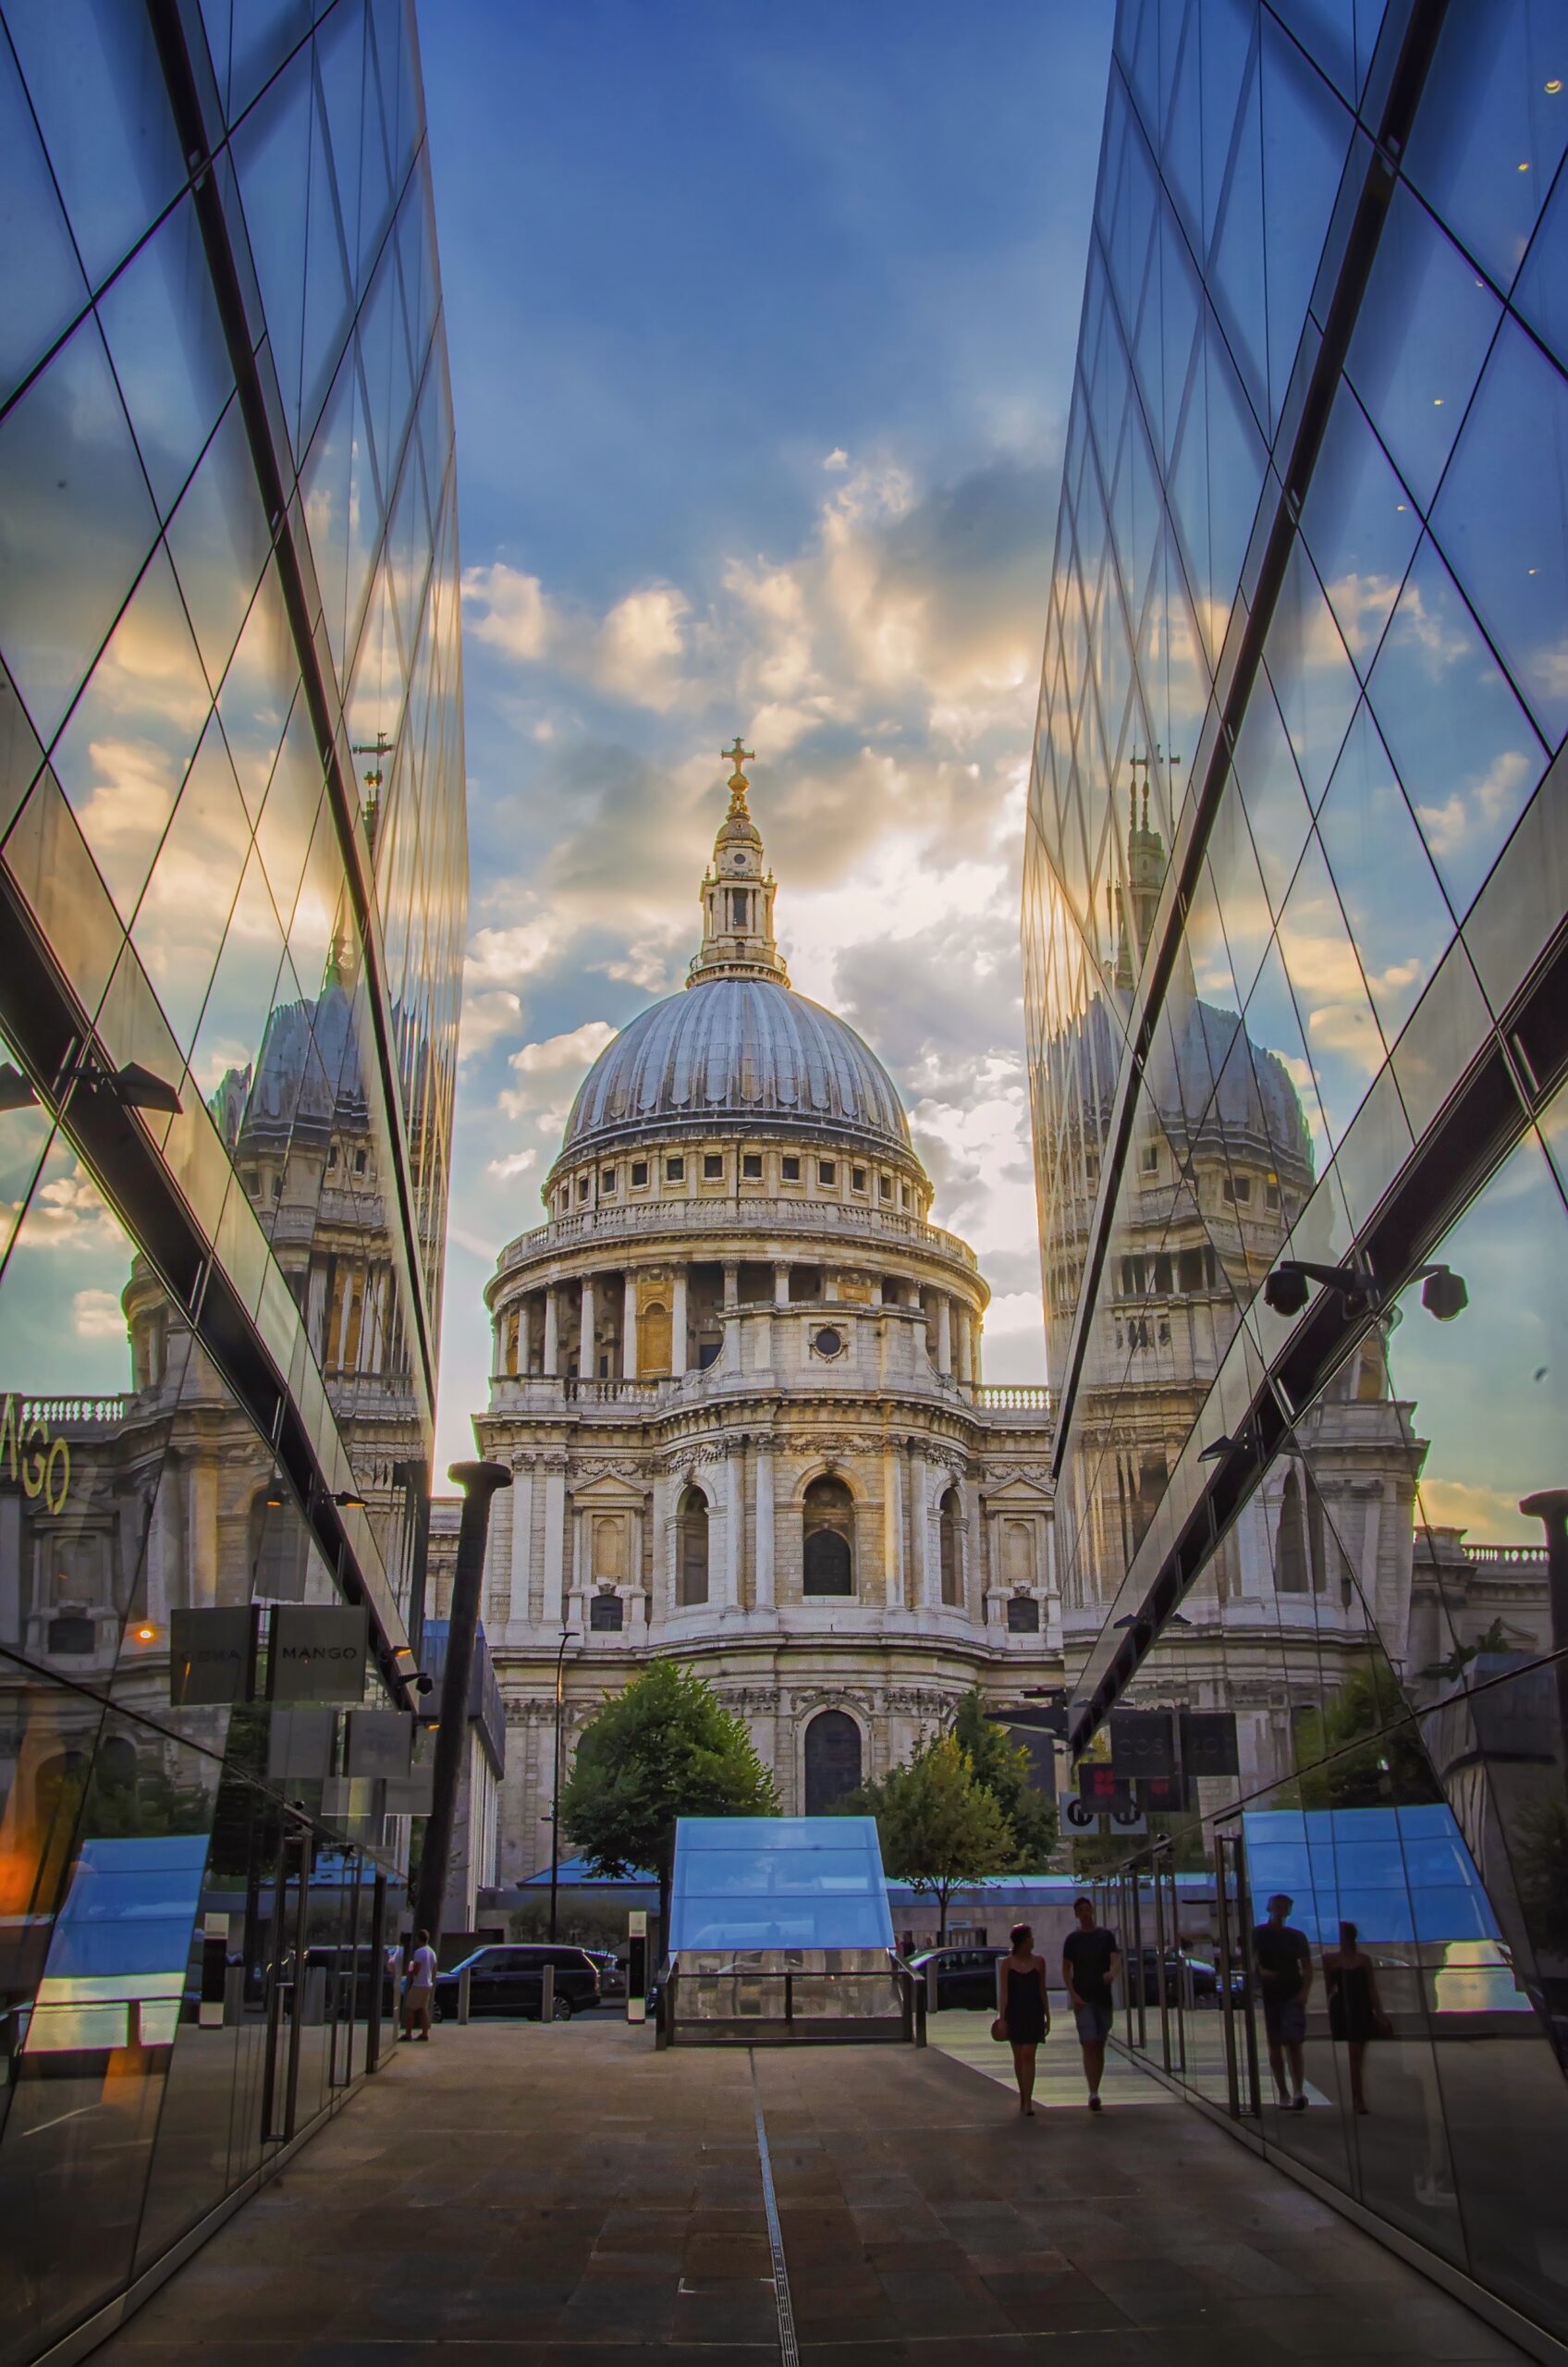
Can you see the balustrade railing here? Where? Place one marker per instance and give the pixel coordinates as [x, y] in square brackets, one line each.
[830, 1221]
[81, 1412]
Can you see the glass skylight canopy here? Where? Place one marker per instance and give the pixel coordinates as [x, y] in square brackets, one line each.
[784, 1881]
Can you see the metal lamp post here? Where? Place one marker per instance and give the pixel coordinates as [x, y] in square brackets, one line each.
[479, 1482]
[555, 1788]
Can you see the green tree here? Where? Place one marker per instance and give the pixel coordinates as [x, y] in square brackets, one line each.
[665, 1748]
[940, 1828]
[1362, 1749]
[1003, 1767]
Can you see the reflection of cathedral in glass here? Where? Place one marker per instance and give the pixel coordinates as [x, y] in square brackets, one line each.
[233, 885]
[1292, 924]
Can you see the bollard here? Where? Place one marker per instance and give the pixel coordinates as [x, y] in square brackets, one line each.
[463, 1979]
[931, 1998]
[547, 1995]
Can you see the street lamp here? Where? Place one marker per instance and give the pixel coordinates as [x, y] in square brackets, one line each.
[554, 1790]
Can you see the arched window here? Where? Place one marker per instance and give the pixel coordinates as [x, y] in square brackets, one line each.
[606, 1613]
[949, 1513]
[1022, 1615]
[832, 1760]
[1293, 1567]
[827, 1525]
[280, 1552]
[691, 1549]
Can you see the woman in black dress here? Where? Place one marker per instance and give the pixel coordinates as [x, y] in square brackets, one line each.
[1356, 2010]
[1022, 2008]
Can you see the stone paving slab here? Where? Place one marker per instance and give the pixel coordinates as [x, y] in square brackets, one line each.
[519, 2196]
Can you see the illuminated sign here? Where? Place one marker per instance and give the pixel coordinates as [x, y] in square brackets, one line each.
[42, 1464]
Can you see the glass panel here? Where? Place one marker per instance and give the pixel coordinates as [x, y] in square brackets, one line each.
[219, 542]
[1499, 516]
[92, 73]
[45, 288]
[76, 524]
[166, 343]
[1421, 336]
[1398, 916]
[123, 757]
[184, 914]
[1461, 742]
[1493, 124]
[1305, 134]
[1361, 527]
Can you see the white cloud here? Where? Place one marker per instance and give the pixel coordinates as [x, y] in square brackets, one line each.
[486, 1017]
[502, 956]
[577, 1049]
[507, 609]
[518, 1162]
[838, 458]
[98, 1315]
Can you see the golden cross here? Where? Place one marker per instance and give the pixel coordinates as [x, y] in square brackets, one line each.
[740, 755]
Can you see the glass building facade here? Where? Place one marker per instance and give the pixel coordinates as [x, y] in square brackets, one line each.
[1297, 986]
[233, 880]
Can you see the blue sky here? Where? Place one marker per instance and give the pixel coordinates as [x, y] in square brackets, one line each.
[762, 326]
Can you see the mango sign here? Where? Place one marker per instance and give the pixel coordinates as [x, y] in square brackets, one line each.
[29, 1454]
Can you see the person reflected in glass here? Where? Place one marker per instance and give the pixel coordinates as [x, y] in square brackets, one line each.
[1022, 2012]
[1356, 2010]
[1090, 1962]
[1283, 1958]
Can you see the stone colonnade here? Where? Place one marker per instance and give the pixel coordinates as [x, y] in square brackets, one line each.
[954, 1322]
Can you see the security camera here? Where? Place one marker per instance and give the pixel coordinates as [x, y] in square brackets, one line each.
[423, 1684]
[1286, 1291]
[1443, 1293]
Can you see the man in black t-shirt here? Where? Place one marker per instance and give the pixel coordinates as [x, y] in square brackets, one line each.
[1090, 1962]
[1284, 1957]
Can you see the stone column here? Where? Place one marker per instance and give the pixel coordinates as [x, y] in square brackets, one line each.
[678, 1324]
[734, 1519]
[893, 1529]
[876, 1297]
[964, 1371]
[919, 1538]
[829, 1286]
[780, 1285]
[587, 1364]
[944, 1335]
[763, 1499]
[552, 1329]
[732, 1283]
[555, 1546]
[522, 1539]
[629, 1329]
[202, 1529]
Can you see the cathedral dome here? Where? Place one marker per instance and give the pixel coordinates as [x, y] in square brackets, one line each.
[737, 1050]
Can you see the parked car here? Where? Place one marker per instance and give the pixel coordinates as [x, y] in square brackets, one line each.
[510, 1980]
[1185, 1977]
[964, 1976]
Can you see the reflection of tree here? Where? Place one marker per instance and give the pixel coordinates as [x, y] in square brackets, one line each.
[1453, 1669]
[1001, 1767]
[142, 1799]
[1358, 1749]
[1539, 1846]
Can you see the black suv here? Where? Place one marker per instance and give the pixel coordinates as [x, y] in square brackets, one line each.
[511, 1980]
[964, 1976]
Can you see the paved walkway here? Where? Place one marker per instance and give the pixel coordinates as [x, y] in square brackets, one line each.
[519, 2196]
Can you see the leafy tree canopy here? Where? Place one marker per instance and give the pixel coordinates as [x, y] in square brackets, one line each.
[1002, 1767]
[664, 1748]
[939, 1827]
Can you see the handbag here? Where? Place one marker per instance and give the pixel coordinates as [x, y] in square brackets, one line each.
[998, 2028]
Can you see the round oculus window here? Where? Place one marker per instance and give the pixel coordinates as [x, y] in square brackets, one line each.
[827, 1342]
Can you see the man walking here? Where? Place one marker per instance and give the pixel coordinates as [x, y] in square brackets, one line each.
[1090, 1962]
[1284, 1979]
[420, 1991]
